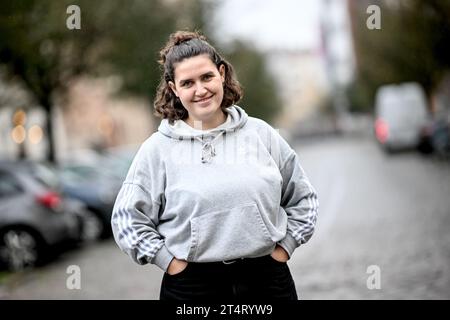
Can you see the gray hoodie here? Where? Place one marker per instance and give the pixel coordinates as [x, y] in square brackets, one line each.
[231, 192]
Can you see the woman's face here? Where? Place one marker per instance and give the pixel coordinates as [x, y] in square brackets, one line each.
[199, 86]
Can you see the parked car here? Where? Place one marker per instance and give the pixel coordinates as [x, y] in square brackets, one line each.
[400, 116]
[35, 220]
[440, 137]
[49, 175]
[96, 178]
[95, 186]
[435, 136]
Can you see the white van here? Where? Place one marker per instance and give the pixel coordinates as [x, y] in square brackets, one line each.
[400, 115]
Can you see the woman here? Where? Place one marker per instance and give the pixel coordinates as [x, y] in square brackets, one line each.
[215, 198]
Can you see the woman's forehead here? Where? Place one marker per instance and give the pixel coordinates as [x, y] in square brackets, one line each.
[194, 66]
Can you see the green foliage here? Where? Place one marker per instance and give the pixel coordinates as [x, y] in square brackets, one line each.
[260, 95]
[359, 96]
[38, 48]
[413, 45]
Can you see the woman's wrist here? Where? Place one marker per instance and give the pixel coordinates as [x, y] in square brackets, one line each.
[280, 254]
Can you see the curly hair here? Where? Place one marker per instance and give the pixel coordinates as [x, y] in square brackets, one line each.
[182, 45]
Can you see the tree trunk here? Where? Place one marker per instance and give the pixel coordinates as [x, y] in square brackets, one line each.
[22, 153]
[51, 155]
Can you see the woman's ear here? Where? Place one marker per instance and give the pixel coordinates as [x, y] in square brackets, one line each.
[172, 86]
[222, 72]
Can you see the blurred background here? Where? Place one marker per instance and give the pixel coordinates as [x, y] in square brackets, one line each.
[360, 89]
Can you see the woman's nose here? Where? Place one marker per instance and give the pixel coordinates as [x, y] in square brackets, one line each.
[200, 90]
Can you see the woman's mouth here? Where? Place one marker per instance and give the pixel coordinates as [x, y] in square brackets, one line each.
[204, 100]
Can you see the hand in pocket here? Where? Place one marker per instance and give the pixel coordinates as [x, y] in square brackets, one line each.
[176, 266]
[279, 254]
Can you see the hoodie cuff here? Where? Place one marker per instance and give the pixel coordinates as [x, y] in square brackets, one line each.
[163, 258]
[289, 244]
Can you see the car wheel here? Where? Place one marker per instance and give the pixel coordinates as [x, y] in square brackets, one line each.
[20, 249]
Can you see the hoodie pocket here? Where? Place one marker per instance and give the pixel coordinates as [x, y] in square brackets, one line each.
[229, 234]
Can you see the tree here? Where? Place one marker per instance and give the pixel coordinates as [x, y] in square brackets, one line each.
[38, 47]
[260, 94]
[412, 45]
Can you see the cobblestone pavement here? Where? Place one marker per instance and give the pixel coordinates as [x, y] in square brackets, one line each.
[387, 212]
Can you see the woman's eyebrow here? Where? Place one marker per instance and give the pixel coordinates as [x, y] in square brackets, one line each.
[209, 73]
[184, 81]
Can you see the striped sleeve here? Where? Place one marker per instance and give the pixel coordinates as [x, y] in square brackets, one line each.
[134, 220]
[299, 201]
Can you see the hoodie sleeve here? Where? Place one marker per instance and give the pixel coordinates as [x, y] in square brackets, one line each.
[298, 197]
[136, 212]
[299, 201]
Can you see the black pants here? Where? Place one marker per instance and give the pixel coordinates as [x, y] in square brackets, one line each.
[262, 279]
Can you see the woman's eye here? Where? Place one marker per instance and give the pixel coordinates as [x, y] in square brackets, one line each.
[186, 84]
[207, 77]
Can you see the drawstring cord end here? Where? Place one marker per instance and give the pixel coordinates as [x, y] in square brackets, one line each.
[208, 150]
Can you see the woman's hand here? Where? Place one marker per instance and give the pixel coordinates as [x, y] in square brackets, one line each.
[176, 266]
[279, 254]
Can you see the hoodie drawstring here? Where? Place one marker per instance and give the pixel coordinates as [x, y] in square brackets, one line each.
[208, 150]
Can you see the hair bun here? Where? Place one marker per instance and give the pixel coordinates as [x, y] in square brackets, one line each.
[182, 36]
[176, 39]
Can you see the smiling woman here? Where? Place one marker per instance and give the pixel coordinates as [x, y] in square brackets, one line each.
[215, 198]
[199, 86]
[194, 73]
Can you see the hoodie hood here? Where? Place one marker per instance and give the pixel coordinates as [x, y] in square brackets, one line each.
[238, 118]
